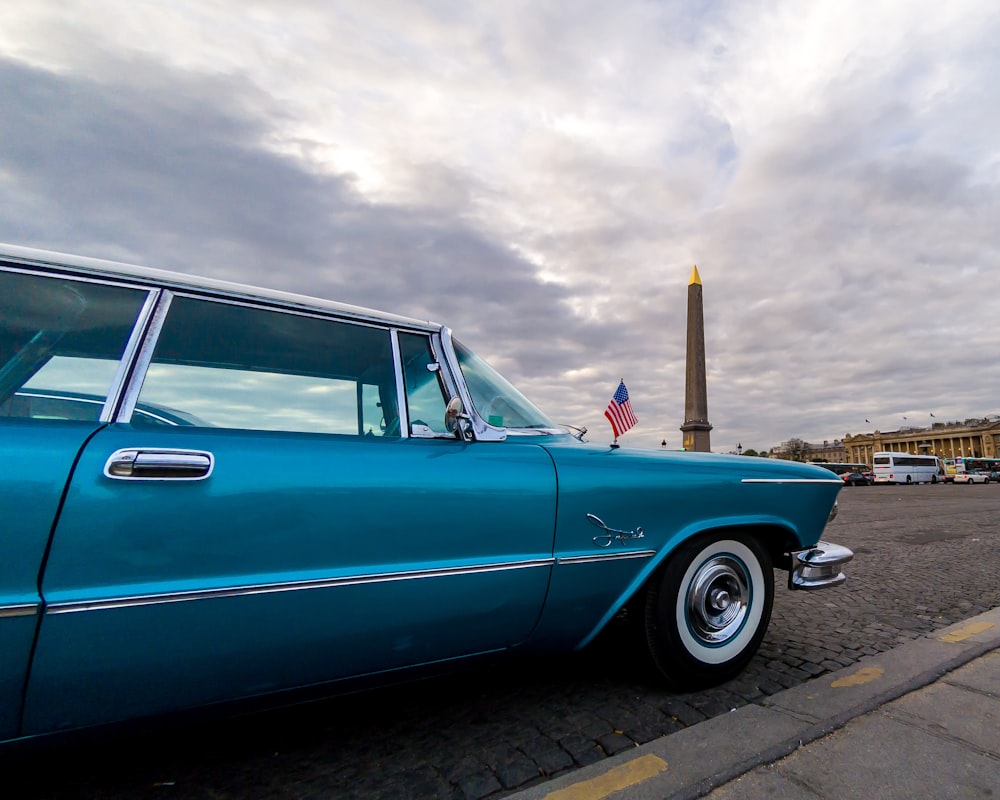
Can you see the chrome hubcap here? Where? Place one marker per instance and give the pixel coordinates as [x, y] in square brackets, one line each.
[717, 600]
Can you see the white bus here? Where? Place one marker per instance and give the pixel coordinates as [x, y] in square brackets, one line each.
[907, 468]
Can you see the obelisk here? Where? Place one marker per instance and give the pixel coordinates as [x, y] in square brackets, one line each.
[696, 425]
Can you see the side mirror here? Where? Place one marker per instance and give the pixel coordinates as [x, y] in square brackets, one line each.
[455, 418]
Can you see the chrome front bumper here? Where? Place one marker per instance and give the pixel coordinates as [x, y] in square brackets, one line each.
[818, 567]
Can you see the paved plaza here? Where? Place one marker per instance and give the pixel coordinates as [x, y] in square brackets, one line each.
[925, 559]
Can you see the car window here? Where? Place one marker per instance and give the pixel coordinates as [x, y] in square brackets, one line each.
[231, 366]
[61, 341]
[426, 399]
[494, 397]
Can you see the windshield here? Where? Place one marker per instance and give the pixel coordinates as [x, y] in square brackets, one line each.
[494, 397]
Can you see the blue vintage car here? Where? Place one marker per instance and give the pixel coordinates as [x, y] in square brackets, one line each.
[212, 492]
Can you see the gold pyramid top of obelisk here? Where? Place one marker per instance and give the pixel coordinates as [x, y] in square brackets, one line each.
[695, 277]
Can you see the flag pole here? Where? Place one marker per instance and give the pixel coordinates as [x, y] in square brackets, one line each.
[614, 442]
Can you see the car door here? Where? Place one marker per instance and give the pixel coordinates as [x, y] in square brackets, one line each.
[59, 337]
[281, 533]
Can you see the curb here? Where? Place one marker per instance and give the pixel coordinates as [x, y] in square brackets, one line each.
[690, 763]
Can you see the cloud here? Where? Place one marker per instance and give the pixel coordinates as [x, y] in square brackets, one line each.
[542, 176]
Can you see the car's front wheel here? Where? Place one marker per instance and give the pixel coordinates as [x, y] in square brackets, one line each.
[708, 609]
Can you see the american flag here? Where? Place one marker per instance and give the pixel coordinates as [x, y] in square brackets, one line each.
[619, 411]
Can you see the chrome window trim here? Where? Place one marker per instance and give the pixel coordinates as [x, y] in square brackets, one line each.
[118, 272]
[19, 610]
[402, 409]
[451, 362]
[451, 380]
[138, 374]
[832, 482]
[101, 280]
[312, 312]
[131, 601]
[119, 385]
[590, 559]
[481, 430]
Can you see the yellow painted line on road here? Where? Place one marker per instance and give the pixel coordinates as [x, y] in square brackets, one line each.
[859, 678]
[967, 632]
[614, 780]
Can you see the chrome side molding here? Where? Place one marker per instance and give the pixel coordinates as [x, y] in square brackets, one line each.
[19, 610]
[244, 590]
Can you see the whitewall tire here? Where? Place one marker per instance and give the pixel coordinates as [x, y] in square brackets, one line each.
[708, 609]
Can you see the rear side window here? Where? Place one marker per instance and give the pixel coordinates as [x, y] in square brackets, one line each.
[229, 366]
[61, 341]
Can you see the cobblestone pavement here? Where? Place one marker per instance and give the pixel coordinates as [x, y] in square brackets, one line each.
[926, 557]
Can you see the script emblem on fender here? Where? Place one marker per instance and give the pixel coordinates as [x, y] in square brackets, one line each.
[611, 535]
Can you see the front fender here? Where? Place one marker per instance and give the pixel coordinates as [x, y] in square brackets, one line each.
[670, 498]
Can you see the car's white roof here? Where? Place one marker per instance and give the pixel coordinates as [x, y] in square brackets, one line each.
[180, 281]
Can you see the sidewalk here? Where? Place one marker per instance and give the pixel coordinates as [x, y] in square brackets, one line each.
[922, 720]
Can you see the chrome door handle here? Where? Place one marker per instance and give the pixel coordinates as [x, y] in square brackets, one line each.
[142, 463]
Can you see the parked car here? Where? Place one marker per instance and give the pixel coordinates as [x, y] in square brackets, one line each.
[973, 476]
[855, 479]
[331, 494]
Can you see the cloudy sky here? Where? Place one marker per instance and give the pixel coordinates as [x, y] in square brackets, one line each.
[542, 176]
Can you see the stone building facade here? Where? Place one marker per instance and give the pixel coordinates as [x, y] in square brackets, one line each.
[798, 450]
[946, 440]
